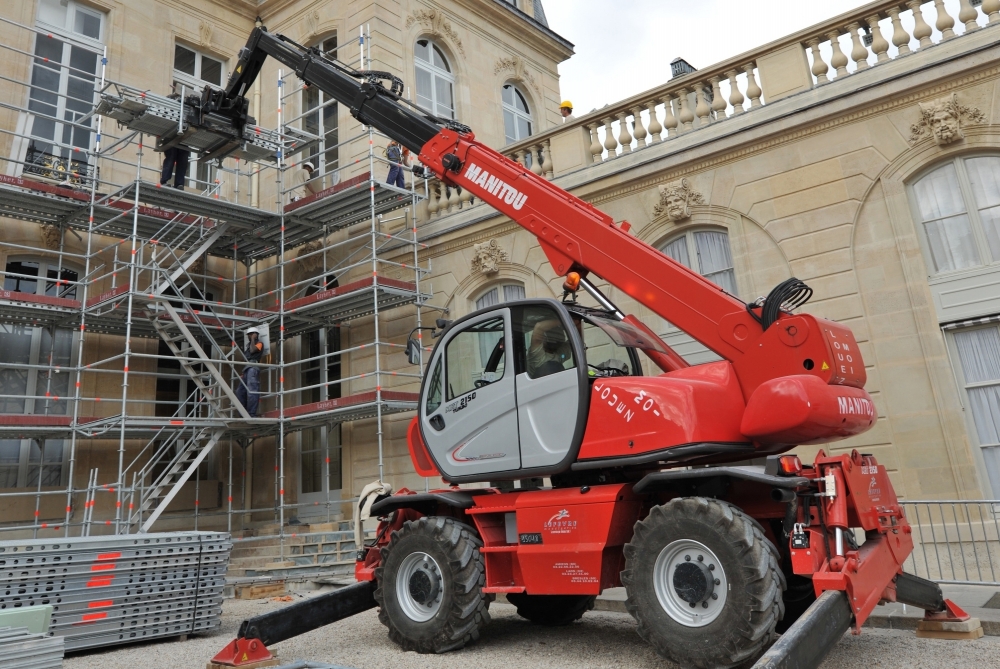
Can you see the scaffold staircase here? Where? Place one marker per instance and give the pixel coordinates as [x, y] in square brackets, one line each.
[183, 451]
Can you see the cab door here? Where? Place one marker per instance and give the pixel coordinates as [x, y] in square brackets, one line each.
[468, 411]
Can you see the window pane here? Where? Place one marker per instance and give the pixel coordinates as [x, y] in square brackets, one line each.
[979, 352]
[507, 94]
[22, 283]
[523, 127]
[714, 260]
[440, 60]
[488, 299]
[425, 92]
[465, 364]
[183, 60]
[87, 24]
[678, 250]
[211, 70]
[15, 349]
[330, 47]
[984, 175]
[513, 292]
[10, 456]
[509, 126]
[422, 51]
[547, 345]
[522, 105]
[952, 243]
[938, 194]
[991, 226]
[445, 105]
[434, 390]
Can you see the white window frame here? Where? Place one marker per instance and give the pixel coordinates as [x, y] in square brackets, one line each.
[692, 250]
[37, 377]
[516, 113]
[329, 173]
[194, 83]
[986, 260]
[970, 423]
[436, 72]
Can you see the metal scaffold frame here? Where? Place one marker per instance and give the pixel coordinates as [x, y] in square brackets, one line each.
[146, 276]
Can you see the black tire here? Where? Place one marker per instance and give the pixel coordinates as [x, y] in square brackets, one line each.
[463, 608]
[744, 621]
[552, 610]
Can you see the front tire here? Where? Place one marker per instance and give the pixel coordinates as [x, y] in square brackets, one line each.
[430, 586]
[552, 610]
[703, 583]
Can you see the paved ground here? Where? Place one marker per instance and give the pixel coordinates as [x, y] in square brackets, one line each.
[601, 640]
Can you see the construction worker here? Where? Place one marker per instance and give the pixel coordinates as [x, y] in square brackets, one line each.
[303, 182]
[399, 157]
[175, 159]
[566, 111]
[248, 392]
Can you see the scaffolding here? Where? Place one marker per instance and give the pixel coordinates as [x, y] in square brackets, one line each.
[153, 287]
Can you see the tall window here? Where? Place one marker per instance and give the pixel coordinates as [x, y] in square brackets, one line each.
[35, 375]
[67, 56]
[322, 123]
[706, 252]
[193, 69]
[979, 354]
[435, 81]
[958, 205]
[516, 115]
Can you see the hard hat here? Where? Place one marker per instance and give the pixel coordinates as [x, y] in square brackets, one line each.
[253, 330]
[566, 104]
[309, 165]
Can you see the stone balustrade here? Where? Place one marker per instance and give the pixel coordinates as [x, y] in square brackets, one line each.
[850, 43]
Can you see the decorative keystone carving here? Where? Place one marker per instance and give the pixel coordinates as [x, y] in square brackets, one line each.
[50, 236]
[434, 22]
[205, 33]
[676, 199]
[313, 263]
[943, 118]
[312, 23]
[488, 257]
[198, 266]
[518, 69]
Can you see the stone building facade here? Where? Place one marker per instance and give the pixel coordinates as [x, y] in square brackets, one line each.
[864, 167]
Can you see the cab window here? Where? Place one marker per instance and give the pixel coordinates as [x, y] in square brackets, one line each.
[604, 356]
[475, 357]
[547, 348]
[434, 390]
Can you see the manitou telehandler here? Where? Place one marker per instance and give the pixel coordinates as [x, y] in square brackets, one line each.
[717, 558]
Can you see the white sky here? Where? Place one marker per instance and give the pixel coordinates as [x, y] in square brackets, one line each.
[625, 47]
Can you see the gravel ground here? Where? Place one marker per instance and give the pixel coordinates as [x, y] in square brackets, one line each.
[600, 641]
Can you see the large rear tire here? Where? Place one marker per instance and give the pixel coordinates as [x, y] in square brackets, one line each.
[430, 586]
[552, 610]
[704, 583]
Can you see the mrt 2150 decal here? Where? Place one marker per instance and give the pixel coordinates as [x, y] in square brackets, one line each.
[626, 406]
[495, 186]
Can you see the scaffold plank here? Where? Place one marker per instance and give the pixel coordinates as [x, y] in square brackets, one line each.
[349, 202]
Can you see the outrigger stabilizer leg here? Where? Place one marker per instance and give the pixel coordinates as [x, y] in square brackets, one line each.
[257, 633]
[806, 643]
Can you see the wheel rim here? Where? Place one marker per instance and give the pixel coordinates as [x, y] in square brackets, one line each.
[690, 583]
[419, 587]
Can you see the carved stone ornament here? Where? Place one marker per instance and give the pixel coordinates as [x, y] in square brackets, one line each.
[312, 264]
[519, 72]
[943, 119]
[205, 33]
[198, 266]
[434, 23]
[676, 199]
[50, 236]
[312, 23]
[488, 257]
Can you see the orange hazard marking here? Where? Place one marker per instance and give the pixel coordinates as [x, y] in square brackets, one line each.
[101, 567]
[87, 617]
[100, 605]
[108, 556]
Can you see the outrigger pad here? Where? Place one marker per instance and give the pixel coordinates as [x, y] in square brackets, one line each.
[243, 652]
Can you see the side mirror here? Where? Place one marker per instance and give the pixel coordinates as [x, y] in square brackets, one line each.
[413, 351]
[441, 324]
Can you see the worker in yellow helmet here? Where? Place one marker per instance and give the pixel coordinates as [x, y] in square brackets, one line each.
[566, 110]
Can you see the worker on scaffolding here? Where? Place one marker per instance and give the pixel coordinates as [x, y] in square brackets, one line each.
[248, 392]
[175, 159]
[399, 158]
[305, 181]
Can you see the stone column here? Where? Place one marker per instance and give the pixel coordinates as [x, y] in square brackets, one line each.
[753, 89]
[639, 132]
[595, 142]
[900, 38]
[944, 21]
[921, 30]
[735, 97]
[819, 66]
[687, 117]
[837, 59]
[610, 143]
[669, 120]
[654, 123]
[859, 54]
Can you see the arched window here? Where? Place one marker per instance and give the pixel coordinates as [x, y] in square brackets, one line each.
[435, 81]
[516, 114]
[706, 252]
[958, 207]
[507, 292]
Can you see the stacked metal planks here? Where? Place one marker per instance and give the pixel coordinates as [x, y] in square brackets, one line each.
[21, 649]
[109, 590]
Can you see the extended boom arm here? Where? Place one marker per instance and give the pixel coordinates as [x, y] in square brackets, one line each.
[574, 235]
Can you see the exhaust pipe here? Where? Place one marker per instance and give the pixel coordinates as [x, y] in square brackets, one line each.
[810, 639]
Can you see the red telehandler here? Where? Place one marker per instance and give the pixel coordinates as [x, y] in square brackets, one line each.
[650, 486]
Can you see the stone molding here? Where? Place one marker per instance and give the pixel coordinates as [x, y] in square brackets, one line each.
[487, 257]
[434, 23]
[676, 199]
[942, 119]
[517, 67]
[205, 34]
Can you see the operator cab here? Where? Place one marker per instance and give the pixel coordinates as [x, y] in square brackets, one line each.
[507, 390]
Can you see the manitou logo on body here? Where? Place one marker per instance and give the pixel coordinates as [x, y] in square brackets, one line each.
[855, 406]
[495, 186]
